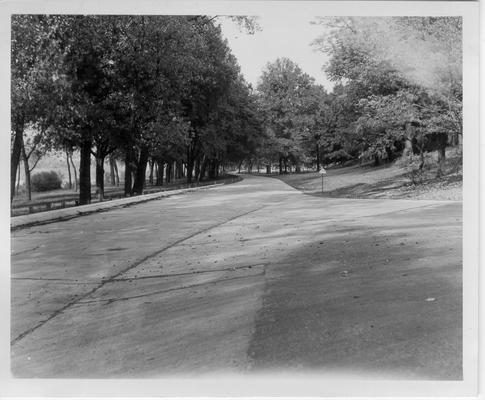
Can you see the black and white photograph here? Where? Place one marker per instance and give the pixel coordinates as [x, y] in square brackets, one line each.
[287, 190]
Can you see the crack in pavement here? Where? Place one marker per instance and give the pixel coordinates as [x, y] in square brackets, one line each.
[24, 251]
[60, 280]
[113, 300]
[190, 273]
[134, 265]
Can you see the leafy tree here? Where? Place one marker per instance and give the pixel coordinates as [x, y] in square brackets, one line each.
[288, 100]
[157, 89]
[33, 61]
[398, 73]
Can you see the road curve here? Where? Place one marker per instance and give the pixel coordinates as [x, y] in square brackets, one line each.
[243, 278]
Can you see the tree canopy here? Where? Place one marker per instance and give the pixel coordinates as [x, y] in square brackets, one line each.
[152, 87]
[401, 78]
[166, 91]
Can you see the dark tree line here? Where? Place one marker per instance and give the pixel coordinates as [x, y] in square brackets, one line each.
[165, 95]
[159, 91]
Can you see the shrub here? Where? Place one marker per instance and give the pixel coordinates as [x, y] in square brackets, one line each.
[44, 181]
[338, 156]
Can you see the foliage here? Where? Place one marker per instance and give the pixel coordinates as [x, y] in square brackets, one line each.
[399, 79]
[291, 105]
[45, 181]
[159, 87]
[166, 89]
[338, 156]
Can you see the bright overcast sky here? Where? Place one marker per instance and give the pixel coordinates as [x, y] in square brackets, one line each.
[281, 36]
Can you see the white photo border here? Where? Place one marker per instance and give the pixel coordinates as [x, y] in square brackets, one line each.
[305, 385]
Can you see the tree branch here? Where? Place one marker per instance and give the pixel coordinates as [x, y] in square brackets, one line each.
[31, 169]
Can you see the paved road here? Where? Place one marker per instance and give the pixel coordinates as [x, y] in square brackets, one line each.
[253, 276]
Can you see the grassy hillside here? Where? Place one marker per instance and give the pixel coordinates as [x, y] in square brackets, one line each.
[388, 181]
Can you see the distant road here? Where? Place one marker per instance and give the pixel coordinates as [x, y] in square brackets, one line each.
[245, 277]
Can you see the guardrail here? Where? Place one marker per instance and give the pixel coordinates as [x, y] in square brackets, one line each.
[36, 206]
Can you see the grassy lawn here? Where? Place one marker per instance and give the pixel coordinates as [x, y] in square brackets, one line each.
[387, 181]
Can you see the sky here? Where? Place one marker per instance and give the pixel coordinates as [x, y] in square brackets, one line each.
[282, 35]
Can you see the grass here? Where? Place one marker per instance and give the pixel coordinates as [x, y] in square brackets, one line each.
[387, 181]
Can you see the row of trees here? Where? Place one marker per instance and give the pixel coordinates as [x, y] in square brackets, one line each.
[399, 84]
[398, 90]
[164, 90]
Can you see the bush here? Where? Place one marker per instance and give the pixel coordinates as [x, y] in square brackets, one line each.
[44, 181]
[338, 156]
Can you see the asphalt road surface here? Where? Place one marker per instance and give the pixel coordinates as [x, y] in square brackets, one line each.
[249, 277]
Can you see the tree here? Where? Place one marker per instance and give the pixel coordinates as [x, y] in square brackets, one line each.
[33, 149]
[158, 89]
[289, 101]
[397, 71]
[33, 60]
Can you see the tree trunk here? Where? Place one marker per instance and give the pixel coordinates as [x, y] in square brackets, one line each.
[160, 167]
[150, 177]
[15, 157]
[85, 173]
[100, 174]
[268, 169]
[203, 169]
[318, 157]
[179, 169]
[128, 170]
[168, 172]
[441, 160]
[281, 165]
[190, 169]
[212, 169]
[75, 172]
[68, 170]
[140, 173]
[173, 171]
[376, 161]
[408, 146]
[28, 187]
[117, 176]
[190, 165]
[197, 167]
[18, 182]
[112, 164]
[285, 161]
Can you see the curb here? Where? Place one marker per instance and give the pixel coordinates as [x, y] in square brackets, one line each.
[47, 217]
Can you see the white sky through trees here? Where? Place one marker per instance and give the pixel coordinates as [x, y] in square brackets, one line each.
[282, 35]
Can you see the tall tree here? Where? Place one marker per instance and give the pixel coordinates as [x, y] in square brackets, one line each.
[411, 65]
[289, 100]
[33, 61]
